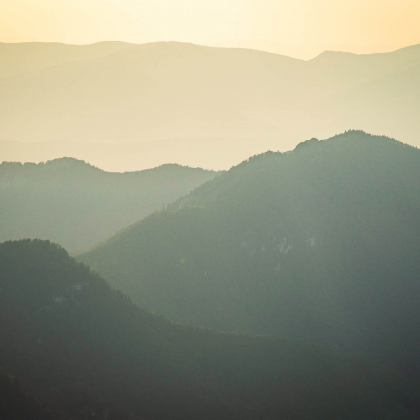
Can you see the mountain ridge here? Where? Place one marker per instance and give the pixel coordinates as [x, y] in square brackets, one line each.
[67, 161]
[214, 106]
[77, 204]
[294, 244]
[88, 350]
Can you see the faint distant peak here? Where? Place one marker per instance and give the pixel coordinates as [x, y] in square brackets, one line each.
[409, 51]
[172, 45]
[333, 55]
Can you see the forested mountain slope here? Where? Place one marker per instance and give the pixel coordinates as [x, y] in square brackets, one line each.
[78, 205]
[177, 100]
[320, 244]
[91, 353]
[17, 404]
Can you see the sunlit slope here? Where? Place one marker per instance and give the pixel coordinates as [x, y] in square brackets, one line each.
[79, 205]
[118, 93]
[318, 244]
[88, 349]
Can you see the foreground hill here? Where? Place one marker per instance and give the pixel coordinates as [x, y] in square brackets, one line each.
[318, 244]
[88, 351]
[78, 205]
[176, 100]
[18, 403]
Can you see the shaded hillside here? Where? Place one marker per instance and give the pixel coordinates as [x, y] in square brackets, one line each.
[17, 404]
[78, 205]
[231, 102]
[318, 244]
[67, 334]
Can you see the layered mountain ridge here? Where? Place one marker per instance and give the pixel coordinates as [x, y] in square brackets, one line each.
[86, 352]
[78, 205]
[125, 106]
[317, 244]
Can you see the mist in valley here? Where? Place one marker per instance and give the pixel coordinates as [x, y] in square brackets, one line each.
[209, 210]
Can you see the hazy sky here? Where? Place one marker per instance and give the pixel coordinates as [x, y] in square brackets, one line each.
[358, 24]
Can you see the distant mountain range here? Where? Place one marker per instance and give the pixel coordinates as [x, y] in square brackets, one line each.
[305, 52]
[78, 205]
[211, 107]
[318, 244]
[80, 350]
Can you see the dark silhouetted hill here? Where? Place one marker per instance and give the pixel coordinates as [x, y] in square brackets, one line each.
[92, 353]
[17, 404]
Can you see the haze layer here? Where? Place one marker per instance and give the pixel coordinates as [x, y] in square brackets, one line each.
[212, 107]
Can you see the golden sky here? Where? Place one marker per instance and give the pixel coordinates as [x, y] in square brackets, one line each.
[362, 25]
